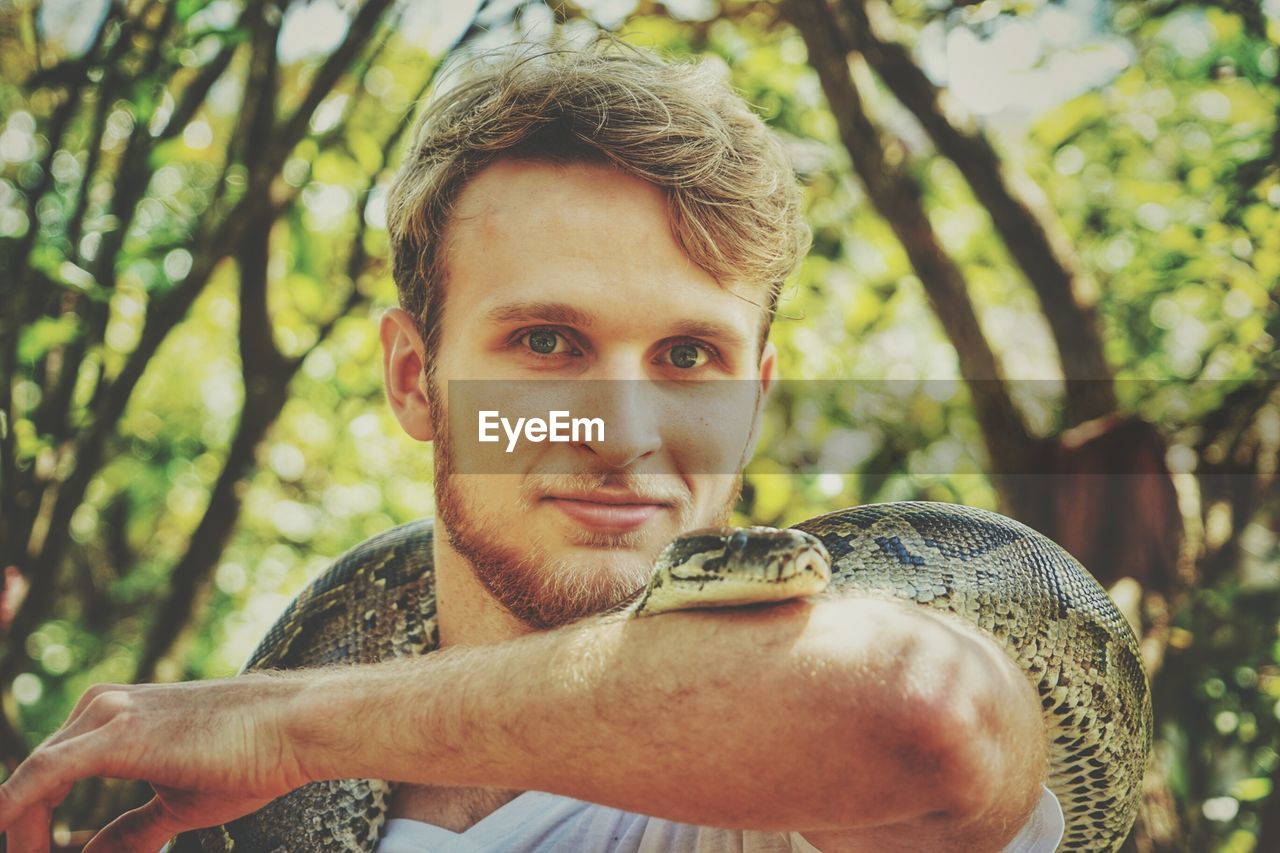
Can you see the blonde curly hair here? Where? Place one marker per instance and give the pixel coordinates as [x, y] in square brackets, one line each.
[733, 198]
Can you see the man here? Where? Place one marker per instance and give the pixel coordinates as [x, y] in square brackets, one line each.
[592, 215]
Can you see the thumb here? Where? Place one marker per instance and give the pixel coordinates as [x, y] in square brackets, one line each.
[146, 828]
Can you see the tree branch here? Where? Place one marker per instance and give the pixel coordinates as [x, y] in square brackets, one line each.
[109, 401]
[262, 407]
[897, 197]
[1027, 228]
[293, 128]
[51, 415]
[266, 374]
[132, 177]
[16, 292]
[194, 95]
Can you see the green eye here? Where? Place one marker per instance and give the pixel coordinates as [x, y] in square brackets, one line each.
[686, 356]
[543, 341]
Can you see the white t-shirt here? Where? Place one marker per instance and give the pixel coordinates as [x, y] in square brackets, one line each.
[535, 822]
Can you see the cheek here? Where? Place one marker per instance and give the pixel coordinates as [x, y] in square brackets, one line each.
[490, 496]
[485, 424]
[707, 432]
[701, 448]
[714, 496]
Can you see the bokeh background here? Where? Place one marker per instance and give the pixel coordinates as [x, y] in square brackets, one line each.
[1065, 215]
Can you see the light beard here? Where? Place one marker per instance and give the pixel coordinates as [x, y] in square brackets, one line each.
[544, 592]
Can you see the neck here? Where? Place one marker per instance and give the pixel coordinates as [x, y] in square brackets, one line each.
[465, 613]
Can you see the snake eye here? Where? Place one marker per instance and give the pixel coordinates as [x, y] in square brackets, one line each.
[737, 541]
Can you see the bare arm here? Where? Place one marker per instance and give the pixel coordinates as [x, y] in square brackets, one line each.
[848, 713]
[840, 718]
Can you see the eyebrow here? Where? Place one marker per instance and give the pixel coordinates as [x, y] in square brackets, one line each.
[569, 315]
[716, 331]
[545, 312]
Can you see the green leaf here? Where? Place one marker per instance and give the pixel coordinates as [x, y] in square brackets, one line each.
[1252, 790]
[1060, 125]
[187, 9]
[45, 334]
[366, 150]
[50, 262]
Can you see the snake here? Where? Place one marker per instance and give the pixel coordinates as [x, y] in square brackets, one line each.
[377, 602]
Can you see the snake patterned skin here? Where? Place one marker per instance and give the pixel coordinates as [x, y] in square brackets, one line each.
[1051, 617]
[378, 602]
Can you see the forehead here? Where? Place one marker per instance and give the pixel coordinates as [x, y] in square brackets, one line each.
[581, 227]
[511, 198]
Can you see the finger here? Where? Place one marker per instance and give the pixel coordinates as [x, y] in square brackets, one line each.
[30, 832]
[42, 781]
[147, 827]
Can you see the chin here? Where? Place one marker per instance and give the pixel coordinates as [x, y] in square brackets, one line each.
[608, 573]
[575, 588]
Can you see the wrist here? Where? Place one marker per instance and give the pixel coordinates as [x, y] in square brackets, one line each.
[320, 721]
[368, 721]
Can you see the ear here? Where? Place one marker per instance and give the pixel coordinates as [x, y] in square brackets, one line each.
[403, 373]
[768, 368]
[768, 373]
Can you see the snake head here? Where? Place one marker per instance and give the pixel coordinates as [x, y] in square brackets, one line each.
[731, 566]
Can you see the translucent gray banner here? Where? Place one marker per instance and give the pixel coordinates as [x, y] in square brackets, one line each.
[870, 427]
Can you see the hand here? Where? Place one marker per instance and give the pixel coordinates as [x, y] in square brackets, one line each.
[213, 751]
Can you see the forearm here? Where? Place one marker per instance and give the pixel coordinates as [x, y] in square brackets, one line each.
[836, 713]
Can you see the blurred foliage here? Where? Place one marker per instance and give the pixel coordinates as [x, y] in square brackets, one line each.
[1163, 176]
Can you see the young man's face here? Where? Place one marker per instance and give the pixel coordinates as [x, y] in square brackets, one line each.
[572, 273]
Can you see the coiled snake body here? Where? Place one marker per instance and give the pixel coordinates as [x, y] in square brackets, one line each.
[378, 602]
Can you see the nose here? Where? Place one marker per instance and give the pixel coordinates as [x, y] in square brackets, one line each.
[631, 413]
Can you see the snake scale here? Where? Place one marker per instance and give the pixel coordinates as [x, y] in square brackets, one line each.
[378, 601]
